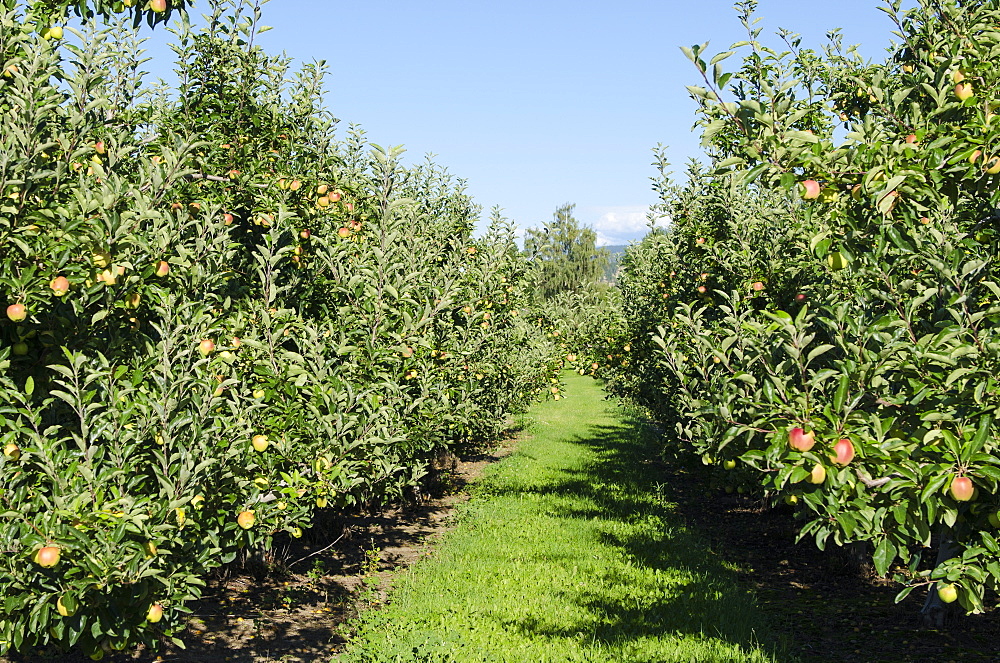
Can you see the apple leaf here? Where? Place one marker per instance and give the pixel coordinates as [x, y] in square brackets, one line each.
[885, 553]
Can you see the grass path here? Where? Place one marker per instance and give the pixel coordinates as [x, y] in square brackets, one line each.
[567, 552]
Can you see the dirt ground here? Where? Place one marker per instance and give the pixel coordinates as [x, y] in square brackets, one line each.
[824, 604]
[292, 606]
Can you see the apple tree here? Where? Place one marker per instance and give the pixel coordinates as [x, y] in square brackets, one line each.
[834, 273]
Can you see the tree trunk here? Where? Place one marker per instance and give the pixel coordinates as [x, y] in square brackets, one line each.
[935, 611]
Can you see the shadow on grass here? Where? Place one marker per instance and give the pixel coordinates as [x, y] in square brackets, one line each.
[621, 489]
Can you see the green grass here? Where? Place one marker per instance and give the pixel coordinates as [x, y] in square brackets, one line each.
[567, 552]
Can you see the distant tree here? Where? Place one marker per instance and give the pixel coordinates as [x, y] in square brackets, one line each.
[564, 255]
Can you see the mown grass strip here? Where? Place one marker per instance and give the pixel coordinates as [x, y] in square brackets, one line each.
[567, 552]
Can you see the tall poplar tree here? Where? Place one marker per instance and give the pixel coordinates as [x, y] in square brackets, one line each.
[564, 255]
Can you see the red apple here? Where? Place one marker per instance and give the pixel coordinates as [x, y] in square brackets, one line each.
[800, 298]
[305, 233]
[59, 285]
[911, 139]
[344, 232]
[206, 347]
[843, 451]
[811, 189]
[800, 440]
[162, 268]
[47, 556]
[158, 6]
[757, 286]
[961, 489]
[16, 312]
[227, 219]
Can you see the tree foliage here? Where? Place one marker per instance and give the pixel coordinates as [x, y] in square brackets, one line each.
[564, 255]
[847, 287]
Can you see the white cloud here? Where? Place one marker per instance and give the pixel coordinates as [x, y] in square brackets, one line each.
[614, 225]
[618, 224]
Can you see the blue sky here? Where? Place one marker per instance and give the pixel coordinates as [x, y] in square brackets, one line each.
[536, 103]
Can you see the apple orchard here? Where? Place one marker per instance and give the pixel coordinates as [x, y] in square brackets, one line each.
[821, 323]
[221, 315]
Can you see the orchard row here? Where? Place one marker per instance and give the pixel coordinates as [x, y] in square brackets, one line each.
[821, 322]
[219, 317]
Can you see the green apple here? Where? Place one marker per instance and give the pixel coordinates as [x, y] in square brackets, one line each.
[837, 260]
[155, 613]
[66, 605]
[817, 475]
[947, 592]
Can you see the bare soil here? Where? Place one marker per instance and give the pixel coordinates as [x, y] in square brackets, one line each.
[826, 605]
[292, 604]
